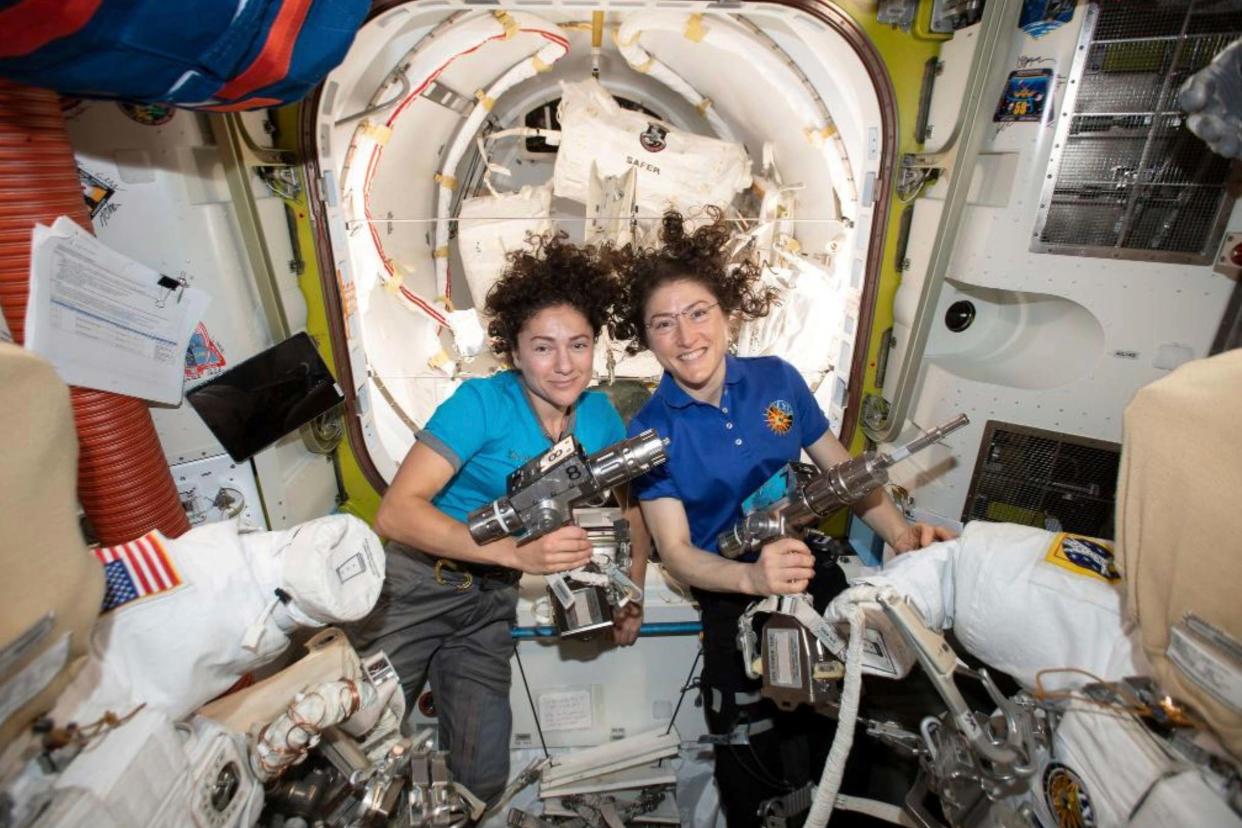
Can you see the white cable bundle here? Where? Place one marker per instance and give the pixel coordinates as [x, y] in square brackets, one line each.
[676, 169]
[640, 60]
[847, 716]
[554, 49]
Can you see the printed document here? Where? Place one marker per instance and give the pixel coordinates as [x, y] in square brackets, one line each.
[105, 321]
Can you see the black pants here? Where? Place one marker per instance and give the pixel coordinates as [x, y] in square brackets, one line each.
[785, 749]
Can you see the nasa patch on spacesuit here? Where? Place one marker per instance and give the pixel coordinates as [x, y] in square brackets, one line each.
[1082, 555]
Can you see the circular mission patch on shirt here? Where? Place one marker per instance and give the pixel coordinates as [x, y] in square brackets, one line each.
[779, 415]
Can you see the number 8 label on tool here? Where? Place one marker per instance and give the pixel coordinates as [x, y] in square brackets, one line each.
[556, 454]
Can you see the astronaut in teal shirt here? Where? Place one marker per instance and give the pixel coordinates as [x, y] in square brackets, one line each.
[488, 429]
[448, 605]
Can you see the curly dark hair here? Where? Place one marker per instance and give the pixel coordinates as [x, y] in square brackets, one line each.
[701, 256]
[554, 272]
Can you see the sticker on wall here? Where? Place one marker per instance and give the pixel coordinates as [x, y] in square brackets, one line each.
[203, 358]
[1025, 97]
[1042, 16]
[99, 193]
[148, 114]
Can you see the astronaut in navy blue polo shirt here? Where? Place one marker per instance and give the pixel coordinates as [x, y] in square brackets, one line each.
[732, 422]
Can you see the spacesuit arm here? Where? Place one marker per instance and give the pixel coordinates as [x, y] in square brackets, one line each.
[784, 566]
[407, 515]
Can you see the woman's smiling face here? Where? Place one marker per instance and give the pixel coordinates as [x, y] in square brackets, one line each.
[688, 332]
[555, 351]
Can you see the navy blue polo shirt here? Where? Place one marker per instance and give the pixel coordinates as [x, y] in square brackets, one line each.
[718, 456]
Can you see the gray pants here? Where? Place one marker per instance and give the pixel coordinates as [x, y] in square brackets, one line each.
[460, 640]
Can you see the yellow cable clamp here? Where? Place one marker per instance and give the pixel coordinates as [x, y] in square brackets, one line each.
[819, 136]
[448, 182]
[506, 20]
[376, 132]
[439, 360]
[484, 101]
[597, 29]
[695, 30]
[704, 105]
[440, 252]
[645, 66]
[444, 300]
[539, 65]
[392, 284]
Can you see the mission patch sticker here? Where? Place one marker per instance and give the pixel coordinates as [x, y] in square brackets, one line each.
[1082, 555]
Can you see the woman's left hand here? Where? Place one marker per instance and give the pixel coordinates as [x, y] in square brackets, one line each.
[625, 623]
[918, 535]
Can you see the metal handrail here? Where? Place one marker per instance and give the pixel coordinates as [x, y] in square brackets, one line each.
[984, 84]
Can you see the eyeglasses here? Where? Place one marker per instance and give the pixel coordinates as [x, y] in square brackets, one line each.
[663, 324]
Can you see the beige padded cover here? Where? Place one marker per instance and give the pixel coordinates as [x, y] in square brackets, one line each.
[1179, 516]
[44, 564]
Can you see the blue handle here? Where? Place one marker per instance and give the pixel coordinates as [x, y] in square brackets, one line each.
[658, 628]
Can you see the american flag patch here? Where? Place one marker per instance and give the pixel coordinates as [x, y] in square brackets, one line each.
[136, 570]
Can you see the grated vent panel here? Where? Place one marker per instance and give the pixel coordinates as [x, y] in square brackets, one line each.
[1126, 178]
[1055, 481]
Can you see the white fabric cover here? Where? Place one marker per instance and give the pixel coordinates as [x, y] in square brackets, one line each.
[332, 567]
[1013, 608]
[680, 170]
[490, 227]
[179, 649]
[796, 328]
[151, 773]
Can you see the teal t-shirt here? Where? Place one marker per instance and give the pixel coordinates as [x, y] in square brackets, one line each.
[487, 429]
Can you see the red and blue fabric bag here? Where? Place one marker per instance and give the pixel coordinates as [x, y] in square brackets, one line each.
[219, 55]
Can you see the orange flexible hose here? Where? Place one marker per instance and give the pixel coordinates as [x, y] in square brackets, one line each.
[124, 482]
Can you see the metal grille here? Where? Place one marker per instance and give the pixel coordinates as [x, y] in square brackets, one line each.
[1126, 178]
[1043, 478]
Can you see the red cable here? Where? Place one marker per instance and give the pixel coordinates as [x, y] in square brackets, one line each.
[373, 163]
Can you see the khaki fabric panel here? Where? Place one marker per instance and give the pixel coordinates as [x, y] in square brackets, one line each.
[46, 565]
[1179, 521]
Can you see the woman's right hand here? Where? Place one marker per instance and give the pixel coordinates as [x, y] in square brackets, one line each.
[785, 567]
[565, 548]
